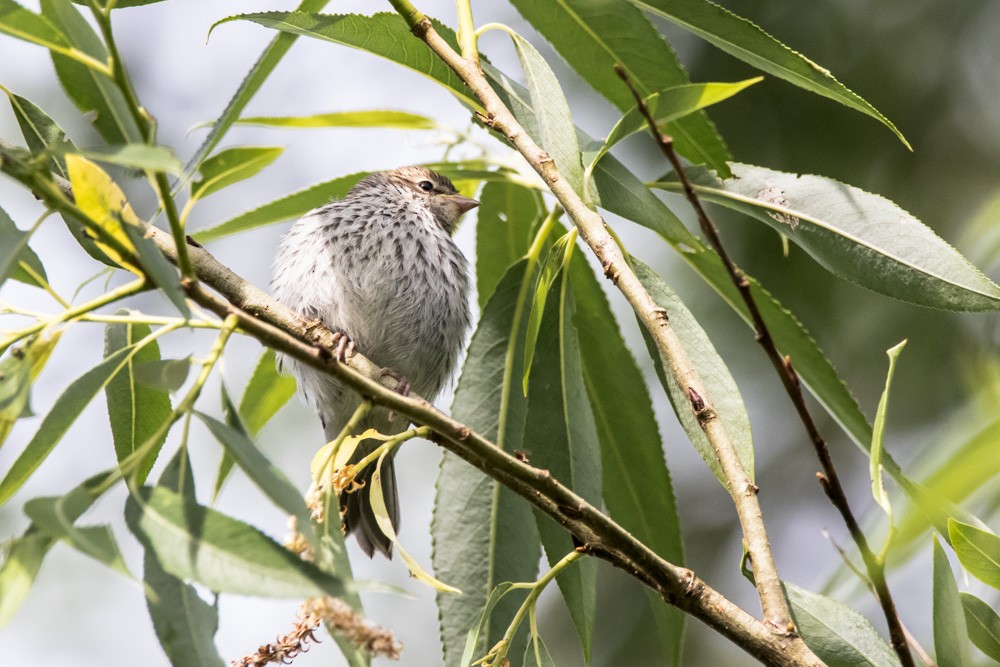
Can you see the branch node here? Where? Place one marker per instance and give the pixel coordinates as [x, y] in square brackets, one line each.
[661, 315]
[549, 170]
[611, 272]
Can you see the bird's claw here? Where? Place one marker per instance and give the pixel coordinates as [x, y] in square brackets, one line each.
[345, 346]
[402, 384]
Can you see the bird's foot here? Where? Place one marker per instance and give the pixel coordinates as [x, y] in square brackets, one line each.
[345, 346]
[402, 384]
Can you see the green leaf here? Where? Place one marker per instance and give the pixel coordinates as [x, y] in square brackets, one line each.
[595, 36]
[637, 488]
[265, 394]
[40, 132]
[722, 390]
[978, 551]
[554, 122]
[556, 260]
[875, 460]
[165, 374]
[262, 472]
[838, 635]
[983, 624]
[856, 235]
[155, 266]
[22, 560]
[383, 34]
[21, 23]
[744, 40]
[231, 165]
[483, 534]
[290, 206]
[950, 644]
[184, 623]
[94, 93]
[18, 370]
[135, 156]
[24, 555]
[399, 120]
[560, 430]
[136, 410]
[198, 543]
[667, 106]
[51, 517]
[14, 250]
[508, 216]
[64, 412]
[477, 630]
[248, 87]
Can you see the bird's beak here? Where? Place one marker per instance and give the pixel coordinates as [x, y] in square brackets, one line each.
[465, 204]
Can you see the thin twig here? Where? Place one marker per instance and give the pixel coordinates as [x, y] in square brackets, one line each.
[829, 479]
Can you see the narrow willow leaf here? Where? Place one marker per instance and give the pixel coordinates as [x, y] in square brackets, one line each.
[667, 106]
[64, 412]
[385, 525]
[290, 206]
[595, 36]
[184, 623]
[722, 389]
[22, 560]
[40, 132]
[482, 533]
[556, 260]
[838, 635]
[637, 488]
[472, 640]
[856, 235]
[18, 371]
[978, 551]
[104, 203]
[155, 266]
[14, 249]
[265, 394]
[164, 374]
[248, 87]
[556, 132]
[951, 645]
[21, 23]
[50, 516]
[878, 437]
[94, 93]
[232, 165]
[399, 120]
[742, 39]
[24, 555]
[535, 653]
[383, 34]
[135, 156]
[983, 624]
[137, 411]
[508, 215]
[971, 464]
[560, 432]
[262, 472]
[198, 543]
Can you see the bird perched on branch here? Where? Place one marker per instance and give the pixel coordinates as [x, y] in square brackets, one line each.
[379, 266]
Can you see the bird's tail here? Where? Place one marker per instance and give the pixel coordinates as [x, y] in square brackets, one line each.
[358, 516]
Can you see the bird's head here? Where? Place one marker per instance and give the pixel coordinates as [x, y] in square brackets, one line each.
[428, 189]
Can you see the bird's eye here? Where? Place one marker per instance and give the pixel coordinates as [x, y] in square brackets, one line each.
[427, 186]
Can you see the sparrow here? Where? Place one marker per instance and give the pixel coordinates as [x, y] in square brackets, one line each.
[381, 268]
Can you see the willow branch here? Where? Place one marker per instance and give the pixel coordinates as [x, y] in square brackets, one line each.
[828, 479]
[595, 233]
[284, 330]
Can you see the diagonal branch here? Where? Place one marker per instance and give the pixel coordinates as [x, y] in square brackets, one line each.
[594, 231]
[828, 479]
[280, 328]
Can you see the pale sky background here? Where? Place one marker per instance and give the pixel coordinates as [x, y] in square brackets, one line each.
[81, 614]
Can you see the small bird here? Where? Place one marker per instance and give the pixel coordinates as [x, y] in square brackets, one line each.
[380, 267]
